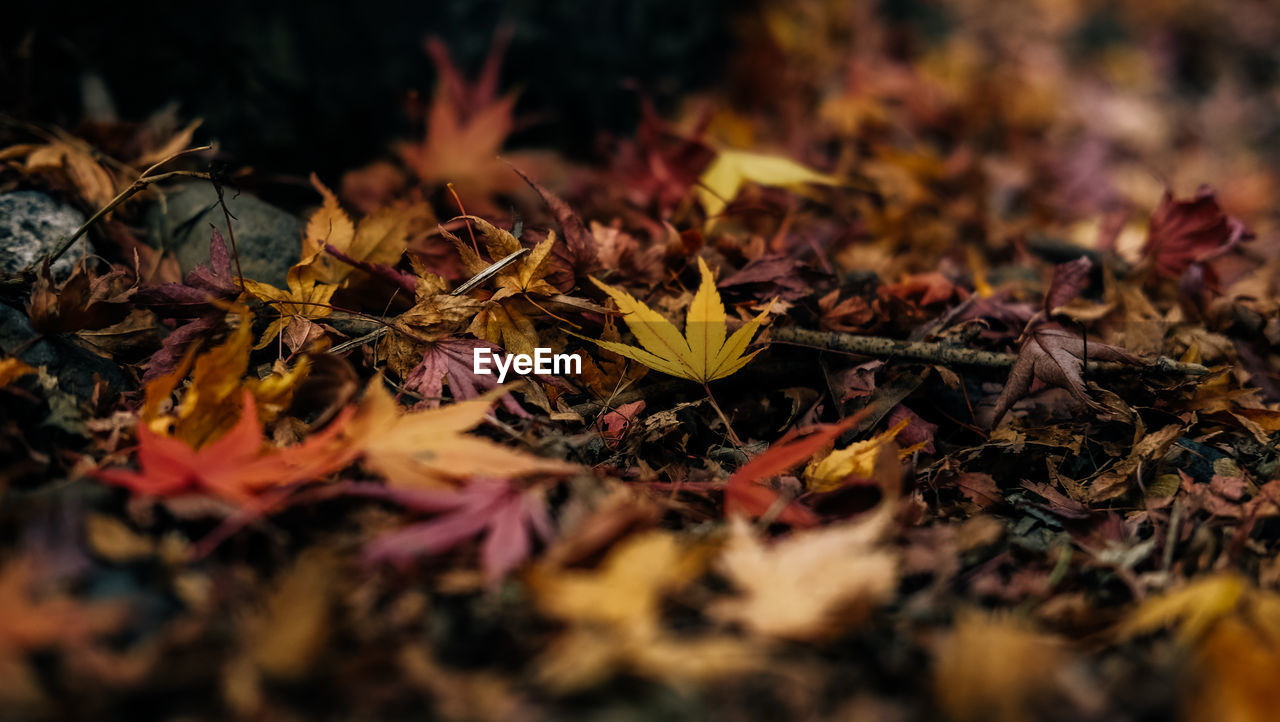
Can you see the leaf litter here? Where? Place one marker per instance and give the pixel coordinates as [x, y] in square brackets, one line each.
[972, 413]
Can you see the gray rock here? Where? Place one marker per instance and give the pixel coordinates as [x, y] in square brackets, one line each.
[31, 226]
[74, 367]
[269, 240]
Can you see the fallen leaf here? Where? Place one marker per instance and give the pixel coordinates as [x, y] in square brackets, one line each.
[843, 570]
[430, 449]
[702, 353]
[234, 467]
[507, 516]
[733, 169]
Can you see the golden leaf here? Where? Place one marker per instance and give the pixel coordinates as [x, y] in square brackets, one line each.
[525, 276]
[701, 354]
[997, 668]
[379, 238]
[1192, 608]
[429, 448]
[614, 617]
[73, 162]
[733, 169]
[857, 459]
[211, 403]
[305, 299]
[12, 369]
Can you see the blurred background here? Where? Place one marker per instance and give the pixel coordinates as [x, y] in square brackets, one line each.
[325, 86]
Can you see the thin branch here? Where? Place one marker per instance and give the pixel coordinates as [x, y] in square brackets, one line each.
[950, 355]
[133, 189]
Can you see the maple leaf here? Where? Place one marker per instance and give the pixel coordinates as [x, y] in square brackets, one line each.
[1000, 668]
[31, 622]
[211, 403]
[1183, 233]
[614, 617]
[85, 300]
[466, 125]
[454, 359]
[304, 300]
[524, 276]
[1192, 609]
[506, 515]
[1051, 353]
[197, 297]
[733, 169]
[70, 160]
[428, 448]
[843, 569]
[212, 281]
[579, 252]
[702, 354]
[233, 467]
[743, 492]
[379, 238]
[505, 317]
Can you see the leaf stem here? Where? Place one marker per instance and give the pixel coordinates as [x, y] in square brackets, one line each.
[733, 436]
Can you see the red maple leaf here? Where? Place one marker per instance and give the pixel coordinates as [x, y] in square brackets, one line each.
[1183, 233]
[235, 467]
[745, 494]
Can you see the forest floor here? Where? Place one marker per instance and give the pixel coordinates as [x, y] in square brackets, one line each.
[908, 376]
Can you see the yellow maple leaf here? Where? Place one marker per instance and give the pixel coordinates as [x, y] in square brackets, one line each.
[614, 618]
[1193, 608]
[304, 300]
[857, 459]
[211, 404]
[429, 448]
[380, 237]
[702, 353]
[525, 276]
[733, 169]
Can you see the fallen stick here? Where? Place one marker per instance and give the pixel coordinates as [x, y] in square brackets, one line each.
[951, 355]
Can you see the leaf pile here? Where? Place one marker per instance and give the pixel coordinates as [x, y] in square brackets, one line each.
[926, 367]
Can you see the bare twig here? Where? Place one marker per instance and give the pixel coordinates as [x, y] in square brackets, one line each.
[135, 187]
[951, 355]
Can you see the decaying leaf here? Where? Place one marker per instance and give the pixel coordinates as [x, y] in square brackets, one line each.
[379, 238]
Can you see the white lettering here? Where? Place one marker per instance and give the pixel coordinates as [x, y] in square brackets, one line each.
[543, 361]
[480, 361]
[522, 364]
[502, 367]
[572, 364]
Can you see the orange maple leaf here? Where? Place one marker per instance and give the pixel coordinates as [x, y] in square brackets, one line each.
[235, 467]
